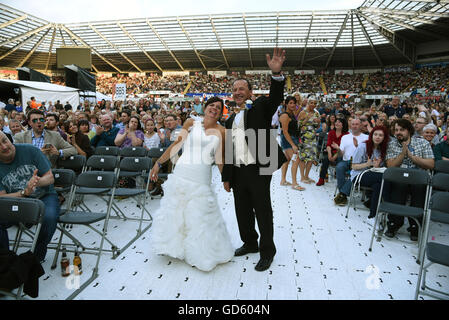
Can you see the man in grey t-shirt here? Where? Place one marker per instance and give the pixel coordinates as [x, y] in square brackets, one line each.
[25, 171]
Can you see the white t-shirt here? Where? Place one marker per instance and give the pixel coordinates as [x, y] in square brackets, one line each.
[347, 144]
[152, 142]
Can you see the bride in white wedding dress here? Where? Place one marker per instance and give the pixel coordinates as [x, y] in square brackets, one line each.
[188, 225]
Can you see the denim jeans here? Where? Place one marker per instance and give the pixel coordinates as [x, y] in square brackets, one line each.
[325, 165]
[341, 169]
[48, 228]
[346, 188]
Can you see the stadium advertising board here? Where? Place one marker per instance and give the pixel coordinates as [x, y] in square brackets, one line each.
[218, 74]
[357, 71]
[432, 64]
[304, 71]
[206, 96]
[258, 72]
[160, 92]
[337, 71]
[175, 73]
[398, 69]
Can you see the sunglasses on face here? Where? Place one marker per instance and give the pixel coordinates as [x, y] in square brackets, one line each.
[38, 119]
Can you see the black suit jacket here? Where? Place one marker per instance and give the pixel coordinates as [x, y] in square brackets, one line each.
[259, 119]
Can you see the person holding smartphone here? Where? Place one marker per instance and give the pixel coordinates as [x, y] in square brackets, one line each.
[49, 142]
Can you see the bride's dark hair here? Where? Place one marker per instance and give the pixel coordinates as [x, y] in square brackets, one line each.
[212, 100]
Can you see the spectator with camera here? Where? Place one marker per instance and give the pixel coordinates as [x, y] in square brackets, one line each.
[49, 142]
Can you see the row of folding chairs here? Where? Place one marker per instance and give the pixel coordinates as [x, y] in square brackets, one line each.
[78, 162]
[95, 176]
[29, 212]
[129, 151]
[440, 166]
[436, 209]
[432, 251]
[100, 179]
[130, 167]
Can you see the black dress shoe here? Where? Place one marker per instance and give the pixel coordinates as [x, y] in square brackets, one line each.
[263, 264]
[390, 233]
[413, 233]
[244, 250]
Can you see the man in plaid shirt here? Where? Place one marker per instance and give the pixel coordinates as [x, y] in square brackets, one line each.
[407, 151]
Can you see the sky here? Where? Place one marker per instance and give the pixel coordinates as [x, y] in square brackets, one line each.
[67, 11]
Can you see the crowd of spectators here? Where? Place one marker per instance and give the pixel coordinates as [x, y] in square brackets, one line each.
[430, 79]
[58, 130]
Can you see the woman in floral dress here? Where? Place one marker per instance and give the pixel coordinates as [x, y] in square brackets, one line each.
[308, 122]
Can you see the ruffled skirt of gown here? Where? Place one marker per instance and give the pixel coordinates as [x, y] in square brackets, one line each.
[189, 226]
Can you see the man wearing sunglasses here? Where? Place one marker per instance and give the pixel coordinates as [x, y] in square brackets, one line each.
[49, 142]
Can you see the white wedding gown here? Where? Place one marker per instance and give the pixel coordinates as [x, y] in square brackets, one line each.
[188, 225]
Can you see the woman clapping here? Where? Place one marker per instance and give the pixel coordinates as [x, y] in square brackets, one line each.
[131, 135]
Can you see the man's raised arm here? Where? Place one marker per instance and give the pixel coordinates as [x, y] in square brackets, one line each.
[278, 80]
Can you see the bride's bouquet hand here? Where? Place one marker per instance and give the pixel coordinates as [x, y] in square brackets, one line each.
[227, 186]
[154, 173]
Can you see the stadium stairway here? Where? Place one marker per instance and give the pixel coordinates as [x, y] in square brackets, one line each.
[323, 85]
[187, 88]
[365, 81]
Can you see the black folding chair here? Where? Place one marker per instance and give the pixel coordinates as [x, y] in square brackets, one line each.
[64, 179]
[441, 166]
[406, 177]
[133, 152]
[91, 180]
[76, 163]
[107, 151]
[440, 182]
[436, 253]
[65, 183]
[102, 163]
[25, 212]
[141, 167]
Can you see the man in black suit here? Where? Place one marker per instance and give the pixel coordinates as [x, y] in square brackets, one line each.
[252, 154]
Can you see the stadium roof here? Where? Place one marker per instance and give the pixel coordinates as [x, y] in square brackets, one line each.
[377, 34]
